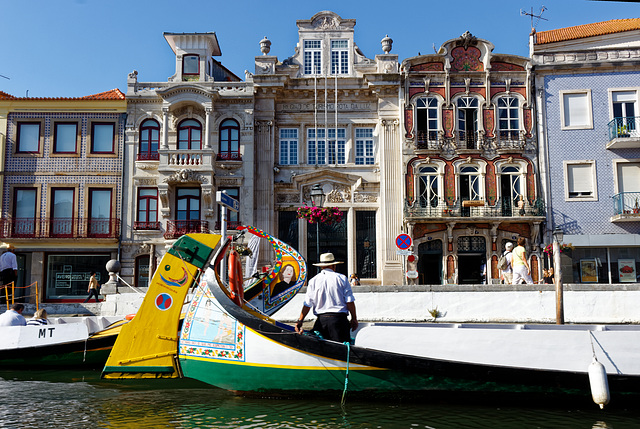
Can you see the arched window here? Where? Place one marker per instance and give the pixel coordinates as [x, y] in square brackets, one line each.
[426, 120]
[229, 140]
[428, 186]
[508, 118]
[510, 189]
[470, 188]
[190, 135]
[468, 122]
[149, 140]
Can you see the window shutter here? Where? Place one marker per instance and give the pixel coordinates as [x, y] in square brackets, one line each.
[629, 177]
[576, 110]
[580, 178]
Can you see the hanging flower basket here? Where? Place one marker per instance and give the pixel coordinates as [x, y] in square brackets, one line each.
[548, 249]
[327, 215]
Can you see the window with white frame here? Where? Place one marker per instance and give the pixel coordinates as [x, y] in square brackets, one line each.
[624, 110]
[427, 118]
[428, 186]
[339, 57]
[336, 146]
[316, 147]
[576, 110]
[364, 146]
[508, 118]
[288, 146]
[580, 180]
[312, 57]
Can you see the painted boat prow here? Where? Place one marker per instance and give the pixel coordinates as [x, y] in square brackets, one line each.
[146, 347]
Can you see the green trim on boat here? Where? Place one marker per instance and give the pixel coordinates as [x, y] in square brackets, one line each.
[138, 369]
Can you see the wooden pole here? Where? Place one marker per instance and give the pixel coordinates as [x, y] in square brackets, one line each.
[557, 276]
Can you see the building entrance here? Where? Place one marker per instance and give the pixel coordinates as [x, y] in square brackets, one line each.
[430, 262]
[472, 260]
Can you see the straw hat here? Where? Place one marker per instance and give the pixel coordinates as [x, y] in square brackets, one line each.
[327, 259]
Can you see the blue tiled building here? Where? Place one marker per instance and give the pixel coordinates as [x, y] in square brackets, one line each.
[587, 82]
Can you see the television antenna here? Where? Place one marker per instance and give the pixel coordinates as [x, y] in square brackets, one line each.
[8, 78]
[532, 15]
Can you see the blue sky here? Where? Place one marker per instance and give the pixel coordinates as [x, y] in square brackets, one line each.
[72, 48]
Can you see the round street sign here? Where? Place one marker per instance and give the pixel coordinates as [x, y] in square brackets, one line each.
[403, 241]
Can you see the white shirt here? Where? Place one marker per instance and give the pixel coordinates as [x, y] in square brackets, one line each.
[328, 292]
[12, 318]
[8, 260]
[508, 256]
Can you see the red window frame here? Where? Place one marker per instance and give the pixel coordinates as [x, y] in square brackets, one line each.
[229, 147]
[55, 137]
[146, 139]
[151, 221]
[19, 126]
[189, 142]
[183, 63]
[55, 229]
[113, 140]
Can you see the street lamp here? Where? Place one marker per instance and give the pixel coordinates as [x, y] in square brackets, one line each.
[317, 199]
[558, 235]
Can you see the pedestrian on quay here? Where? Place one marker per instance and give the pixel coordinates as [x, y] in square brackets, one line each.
[507, 273]
[13, 316]
[93, 287]
[8, 265]
[521, 270]
[329, 295]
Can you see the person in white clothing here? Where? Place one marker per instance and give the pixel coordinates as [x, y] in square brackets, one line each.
[9, 265]
[13, 317]
[329, 294]
[507, 273]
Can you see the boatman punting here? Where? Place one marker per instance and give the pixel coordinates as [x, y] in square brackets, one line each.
[330, 296]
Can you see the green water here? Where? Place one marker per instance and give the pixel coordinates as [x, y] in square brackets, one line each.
[79, 399]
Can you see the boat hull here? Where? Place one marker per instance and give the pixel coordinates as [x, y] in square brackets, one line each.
[235, 349]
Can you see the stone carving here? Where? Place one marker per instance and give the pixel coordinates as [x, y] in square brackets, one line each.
[146, 182]
[339, 194]
[466, 40]
[362, 197]
[287, 198]
[326, 23]
[185, 176]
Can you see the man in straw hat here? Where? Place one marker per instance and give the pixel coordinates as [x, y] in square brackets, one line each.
[8, 264]
[330, 296]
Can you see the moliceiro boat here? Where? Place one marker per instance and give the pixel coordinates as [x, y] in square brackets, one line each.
[232, 342]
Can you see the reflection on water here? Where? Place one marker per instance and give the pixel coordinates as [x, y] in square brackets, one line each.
[38, 399]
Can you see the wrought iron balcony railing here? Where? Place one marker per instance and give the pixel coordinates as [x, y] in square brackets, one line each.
[627, 203]
[148, 156]
[428, 140]
[230, 224]
[146, 226]
[625, 131]
[473, 208]
[74, 228]
[229, 156]
[178, 228]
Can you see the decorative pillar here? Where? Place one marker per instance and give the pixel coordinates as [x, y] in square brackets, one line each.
[165, 127]
[207, 128]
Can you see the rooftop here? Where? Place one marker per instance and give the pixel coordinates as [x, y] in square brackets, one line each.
[114, 94]
[587, 30]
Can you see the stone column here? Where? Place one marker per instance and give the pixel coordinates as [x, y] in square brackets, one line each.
[390, 201]
[264, 190]
[165, 127]
[207, 128]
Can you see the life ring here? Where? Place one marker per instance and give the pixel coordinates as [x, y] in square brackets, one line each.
[235, 278]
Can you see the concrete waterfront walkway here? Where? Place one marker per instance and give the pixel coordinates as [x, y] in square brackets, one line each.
[583, 303]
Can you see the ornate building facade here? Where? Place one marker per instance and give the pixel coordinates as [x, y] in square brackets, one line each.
[328, 117]
[471, 174]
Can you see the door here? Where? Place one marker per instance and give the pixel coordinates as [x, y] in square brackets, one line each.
[430, 262]
[629, 186]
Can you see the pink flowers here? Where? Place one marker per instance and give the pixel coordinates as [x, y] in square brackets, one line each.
[314, 214]
[548, 249]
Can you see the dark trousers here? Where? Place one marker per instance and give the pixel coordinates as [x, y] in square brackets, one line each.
[91, 293]
[8, 276]
[333, 326]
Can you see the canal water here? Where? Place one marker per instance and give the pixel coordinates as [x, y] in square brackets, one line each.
[79, 399]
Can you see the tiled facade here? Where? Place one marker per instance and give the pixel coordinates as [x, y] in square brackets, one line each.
[587, 88]
[61, 205]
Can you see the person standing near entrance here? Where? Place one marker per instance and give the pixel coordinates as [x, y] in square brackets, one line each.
[9, 265]
[507, 273]
[521, 270]
[93, 287]
[329, 294]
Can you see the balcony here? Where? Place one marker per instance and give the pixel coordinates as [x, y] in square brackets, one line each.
[473, 209]
[55, 228]
[624, 133]
[146, 226]
[511, 141]
[229, 156]
[429, 140]
[626, 207]
[234, 225]
[178, 228]
[468, 140]
[181, 158]
[148, 156]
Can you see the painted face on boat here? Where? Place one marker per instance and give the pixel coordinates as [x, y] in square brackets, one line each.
[287, 273]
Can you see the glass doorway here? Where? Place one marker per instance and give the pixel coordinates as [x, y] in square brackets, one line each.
[430, 262]
[333, 238]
